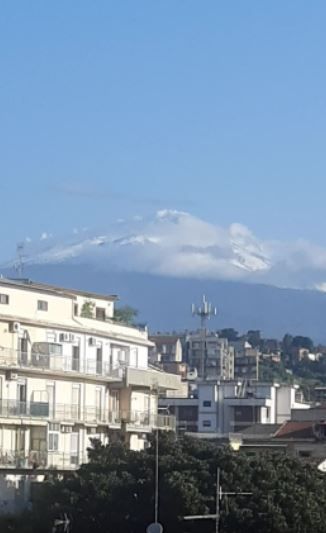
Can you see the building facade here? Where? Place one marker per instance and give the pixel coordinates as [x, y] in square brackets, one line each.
[220, 408]
[246, 360]
[212, 356]
[70, 373]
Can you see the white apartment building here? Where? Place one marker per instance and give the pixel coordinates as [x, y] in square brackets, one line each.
[224, 407]
[211, 355]
[69, 373]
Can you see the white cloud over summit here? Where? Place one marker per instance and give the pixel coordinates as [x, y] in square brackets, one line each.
[177, 243]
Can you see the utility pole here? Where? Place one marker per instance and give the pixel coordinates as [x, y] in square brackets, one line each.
[218, 497]
[156, 527]
[205, 311]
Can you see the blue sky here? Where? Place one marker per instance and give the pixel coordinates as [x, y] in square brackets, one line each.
[113, 109]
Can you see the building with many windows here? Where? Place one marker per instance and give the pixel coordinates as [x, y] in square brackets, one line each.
[211, 355]
[69, 372]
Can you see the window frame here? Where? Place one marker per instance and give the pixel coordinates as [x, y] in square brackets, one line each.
[53, 436]
[207, 423]
[5, 297]
[42, 305]
[205, 402]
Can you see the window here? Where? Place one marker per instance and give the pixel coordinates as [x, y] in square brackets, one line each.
[75, 358]
[304, 453]
[42, 305]
[207, 403]
[207, 423]
[54, 437]
[76, 309]
[66, 429]
[4, 299]
[99, 360]
[100, 313]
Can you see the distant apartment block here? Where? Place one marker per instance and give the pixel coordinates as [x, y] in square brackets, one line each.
[246, 360]
[219, 408]
[212, 356]
[165, 349]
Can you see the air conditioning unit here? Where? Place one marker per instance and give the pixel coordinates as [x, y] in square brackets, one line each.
[15, 327]
[92, 341]
[11, 376]
[66, 337]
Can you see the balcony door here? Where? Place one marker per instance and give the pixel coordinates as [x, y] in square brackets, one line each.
[75, 402]
[23, 351]
[74, 441]
[20, 446]
[99, 360]
[50, 388]
[21, 397]
[98, 403]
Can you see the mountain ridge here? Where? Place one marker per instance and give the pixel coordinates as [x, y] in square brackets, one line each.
[164, 302]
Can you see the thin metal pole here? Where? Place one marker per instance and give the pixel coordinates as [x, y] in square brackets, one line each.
[156, 479]
[217, 520]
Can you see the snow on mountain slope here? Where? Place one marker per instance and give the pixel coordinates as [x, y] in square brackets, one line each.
[179, 244]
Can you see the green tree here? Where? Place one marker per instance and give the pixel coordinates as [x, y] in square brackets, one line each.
[254, 337]
[114, 492]
[229, 333]
[87, 310]
[125, 314]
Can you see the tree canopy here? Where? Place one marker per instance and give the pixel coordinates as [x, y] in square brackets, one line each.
[114, 492]
[125, 314]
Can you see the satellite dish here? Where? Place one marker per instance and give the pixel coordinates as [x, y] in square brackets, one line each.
[322, 466]
[155, 527]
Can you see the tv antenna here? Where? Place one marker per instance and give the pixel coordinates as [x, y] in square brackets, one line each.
[19, 263]
[205, 311]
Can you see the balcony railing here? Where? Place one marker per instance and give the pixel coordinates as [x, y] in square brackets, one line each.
[58, 363]
[144, 419]
[89, 414]
[58, 412]
[36, 459]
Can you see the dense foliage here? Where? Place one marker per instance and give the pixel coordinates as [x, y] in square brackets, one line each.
[125, 314]
[114, 493]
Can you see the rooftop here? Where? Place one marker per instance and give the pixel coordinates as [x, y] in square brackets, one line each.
[296, 430]
[27, 284]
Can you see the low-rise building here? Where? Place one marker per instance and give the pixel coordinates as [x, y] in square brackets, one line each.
[246, 360]
[165, 349]
[229, 407]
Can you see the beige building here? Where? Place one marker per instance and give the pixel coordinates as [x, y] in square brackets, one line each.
[246, 360]
[166, 349]
[69, 373]
[211, 355]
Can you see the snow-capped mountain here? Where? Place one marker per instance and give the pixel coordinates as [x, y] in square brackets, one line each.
[170, 242]
[160, 264]
[179, 244]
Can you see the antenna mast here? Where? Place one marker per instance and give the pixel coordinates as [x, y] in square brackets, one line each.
[19, 264]
[205, 311]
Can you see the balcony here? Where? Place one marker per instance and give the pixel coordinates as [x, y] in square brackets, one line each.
[33, 460]
[59, 412]
[145, 421]
[14, 359]
[134, 420]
